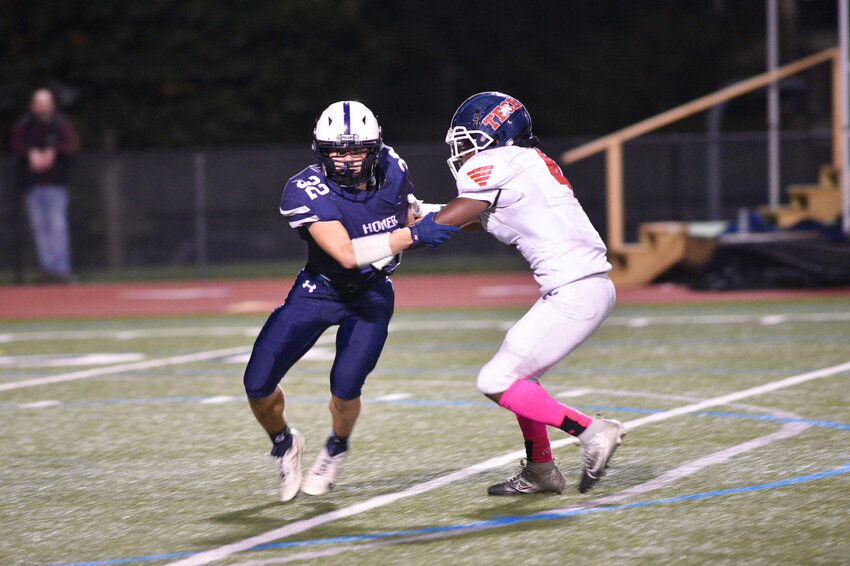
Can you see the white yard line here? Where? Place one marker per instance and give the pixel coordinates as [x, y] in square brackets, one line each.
[162, 362]
[140, 333]
[296, 527]
[687, 469]
[41, 404]
[764, 319]
[96, 372]
[725, 399]
[417, 326]
[127, 334]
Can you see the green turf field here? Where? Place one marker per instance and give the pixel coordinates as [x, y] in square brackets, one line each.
[129, 441]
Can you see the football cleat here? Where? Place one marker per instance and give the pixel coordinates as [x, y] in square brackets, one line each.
[598, 443]
[319, 480]
[534, 477]
[289, 466]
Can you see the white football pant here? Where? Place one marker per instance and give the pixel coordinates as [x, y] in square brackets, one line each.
[555, 326]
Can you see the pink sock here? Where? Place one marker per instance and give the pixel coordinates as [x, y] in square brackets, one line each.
[536, 436]
[531, 401]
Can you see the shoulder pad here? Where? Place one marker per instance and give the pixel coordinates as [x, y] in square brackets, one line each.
[395, 170]
[391, 162]
[302, 201]
[483, 171]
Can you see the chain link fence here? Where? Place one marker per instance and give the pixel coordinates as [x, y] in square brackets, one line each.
[204, 206]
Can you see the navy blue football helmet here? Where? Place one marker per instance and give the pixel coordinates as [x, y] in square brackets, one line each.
[484, 121]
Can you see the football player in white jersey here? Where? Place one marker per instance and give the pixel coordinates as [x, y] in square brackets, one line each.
[521, 197]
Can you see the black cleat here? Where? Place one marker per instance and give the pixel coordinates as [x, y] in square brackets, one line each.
[534, 477]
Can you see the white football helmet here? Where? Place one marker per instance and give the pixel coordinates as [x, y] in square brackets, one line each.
[347, 126]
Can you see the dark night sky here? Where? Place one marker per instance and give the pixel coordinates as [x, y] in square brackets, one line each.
[215, 73]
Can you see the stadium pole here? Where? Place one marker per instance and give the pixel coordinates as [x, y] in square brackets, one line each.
[845, 123]
[773, 105]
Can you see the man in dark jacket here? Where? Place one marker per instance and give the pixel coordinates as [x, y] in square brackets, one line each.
[44, 142]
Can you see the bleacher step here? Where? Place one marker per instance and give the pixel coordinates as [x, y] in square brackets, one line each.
[660, 246]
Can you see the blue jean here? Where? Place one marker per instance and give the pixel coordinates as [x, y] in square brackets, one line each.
[47, 207]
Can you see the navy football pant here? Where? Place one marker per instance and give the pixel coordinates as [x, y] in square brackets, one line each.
[311, 308]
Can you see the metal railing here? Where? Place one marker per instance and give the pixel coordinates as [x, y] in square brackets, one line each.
[612, 144]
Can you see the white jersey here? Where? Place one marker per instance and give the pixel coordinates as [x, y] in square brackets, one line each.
[532, 207]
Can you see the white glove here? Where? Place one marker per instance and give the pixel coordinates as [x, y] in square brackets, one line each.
[421, 209]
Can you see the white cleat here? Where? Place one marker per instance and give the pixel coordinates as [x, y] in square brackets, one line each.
[598, 443]
[319, 480]
[289, 466]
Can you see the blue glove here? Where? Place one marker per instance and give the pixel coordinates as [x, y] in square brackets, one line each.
[426, 232]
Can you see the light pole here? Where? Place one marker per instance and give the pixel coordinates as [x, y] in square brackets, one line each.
[845, 124]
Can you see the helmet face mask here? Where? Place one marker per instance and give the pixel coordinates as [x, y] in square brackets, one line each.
[483, 121]
[463, 144]
[344, 128]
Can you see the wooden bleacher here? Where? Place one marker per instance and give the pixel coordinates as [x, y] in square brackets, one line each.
[820, 202]
[662, 245]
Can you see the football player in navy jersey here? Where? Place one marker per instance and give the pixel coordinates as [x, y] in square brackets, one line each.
[356, 210]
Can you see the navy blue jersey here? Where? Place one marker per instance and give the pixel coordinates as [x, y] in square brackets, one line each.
[310, 197]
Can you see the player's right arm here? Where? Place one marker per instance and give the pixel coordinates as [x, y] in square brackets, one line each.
[463, 212]
[478, 185]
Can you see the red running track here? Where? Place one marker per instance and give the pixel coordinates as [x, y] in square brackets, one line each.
[164, 298]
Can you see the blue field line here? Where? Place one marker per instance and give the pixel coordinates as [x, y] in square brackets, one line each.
[427, 402]
[240, 399]
[824, 423]
[840, 338]
[501, 520]
[607, 342]
[466, 371]
[510, 520]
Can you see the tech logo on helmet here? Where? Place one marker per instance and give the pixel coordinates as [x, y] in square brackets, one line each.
[501, 113]
[480, 175]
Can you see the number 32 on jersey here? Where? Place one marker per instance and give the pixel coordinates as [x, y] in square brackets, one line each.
[313, 186]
